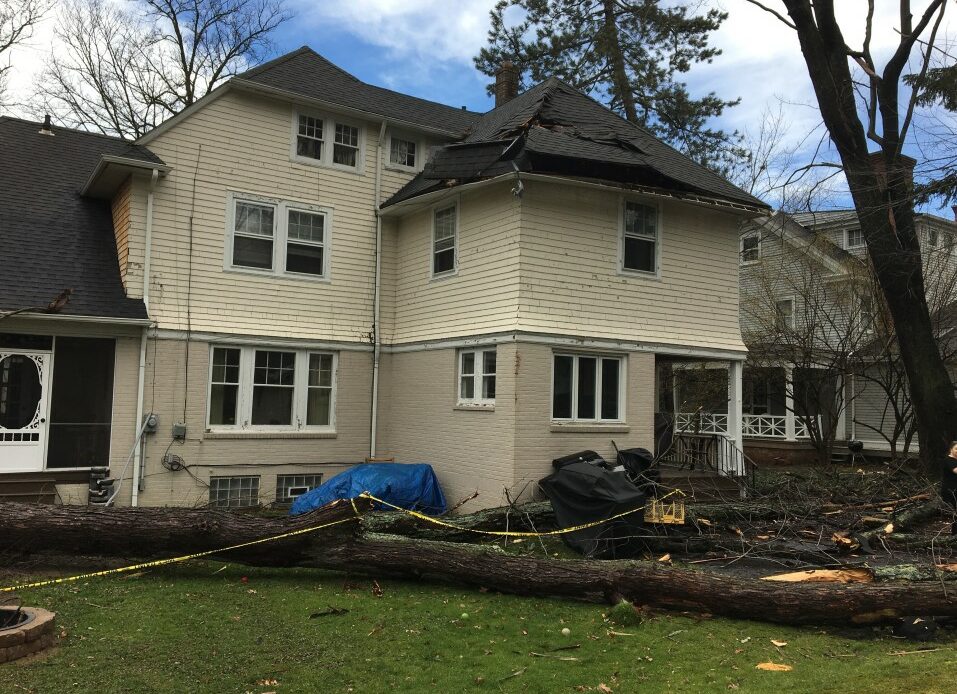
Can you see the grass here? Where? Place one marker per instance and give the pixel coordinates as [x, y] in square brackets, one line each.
[201, 628]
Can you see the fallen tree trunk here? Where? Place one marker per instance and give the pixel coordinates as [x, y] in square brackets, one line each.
[643, 583]
[151, 532]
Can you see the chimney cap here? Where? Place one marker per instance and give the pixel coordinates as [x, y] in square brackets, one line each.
[47, 127]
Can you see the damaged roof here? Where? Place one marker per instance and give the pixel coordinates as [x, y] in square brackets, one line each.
[52, 237]
[554, 129]
[306, 73]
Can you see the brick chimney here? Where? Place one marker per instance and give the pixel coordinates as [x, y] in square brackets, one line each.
[877, 161]
[506, 83]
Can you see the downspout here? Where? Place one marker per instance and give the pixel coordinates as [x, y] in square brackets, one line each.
[141, 378]
[376, 328]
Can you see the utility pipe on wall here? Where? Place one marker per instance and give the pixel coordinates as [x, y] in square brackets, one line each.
[376, 328]
[141, 377]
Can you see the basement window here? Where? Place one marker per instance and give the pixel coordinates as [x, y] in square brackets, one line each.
[234, 492]
[587, 388]
[288, 487]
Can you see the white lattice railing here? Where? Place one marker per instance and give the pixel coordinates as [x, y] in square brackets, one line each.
[765, 426]
[701, 422]
[773, 426]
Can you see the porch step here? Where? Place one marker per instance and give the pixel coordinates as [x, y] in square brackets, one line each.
[27, 488]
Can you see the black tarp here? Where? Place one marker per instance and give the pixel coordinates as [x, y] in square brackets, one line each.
[582, 493]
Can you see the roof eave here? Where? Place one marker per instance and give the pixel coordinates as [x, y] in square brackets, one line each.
[111, 171]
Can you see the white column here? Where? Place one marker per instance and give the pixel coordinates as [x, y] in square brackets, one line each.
[789, 427]
[735, 406]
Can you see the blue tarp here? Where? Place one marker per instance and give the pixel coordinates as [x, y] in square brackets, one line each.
[412, 486]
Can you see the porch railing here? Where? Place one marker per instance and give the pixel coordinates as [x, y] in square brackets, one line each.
[701, 422]
[712, 453]
[774, 426]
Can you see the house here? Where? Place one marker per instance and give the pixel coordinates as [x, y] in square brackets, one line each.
[819, 374]
[302, 271]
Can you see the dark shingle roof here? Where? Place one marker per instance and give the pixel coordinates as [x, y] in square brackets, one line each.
[306, 73]
[561, 131]
[51, 237]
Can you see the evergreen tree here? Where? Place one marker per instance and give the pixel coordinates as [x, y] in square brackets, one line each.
[629, 54]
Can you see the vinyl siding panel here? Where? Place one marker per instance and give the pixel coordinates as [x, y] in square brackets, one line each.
[482, 296]
[121, 226]
[240, 143]
[570, 282]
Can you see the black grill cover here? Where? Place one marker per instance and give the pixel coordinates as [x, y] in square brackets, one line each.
[583, 493]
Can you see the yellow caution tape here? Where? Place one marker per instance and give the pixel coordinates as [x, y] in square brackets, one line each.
[509, 533]
[173, 560]
[303, 531]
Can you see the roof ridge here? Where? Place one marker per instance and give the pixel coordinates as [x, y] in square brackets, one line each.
[279, 60]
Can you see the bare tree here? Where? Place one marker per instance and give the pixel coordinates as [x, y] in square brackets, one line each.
[124, 70]
[17, 21]
[880, 185]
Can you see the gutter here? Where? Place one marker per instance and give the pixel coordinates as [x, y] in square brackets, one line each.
[141, 377]
[376, 327]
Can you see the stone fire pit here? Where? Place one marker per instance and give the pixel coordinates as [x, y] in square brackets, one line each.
[25, 634]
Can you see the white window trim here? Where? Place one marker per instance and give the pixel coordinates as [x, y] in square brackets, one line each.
[329, 121]
[791, 322]
[622, 381]
[477, 377]
[455, 245]
[247, 360]
[847, 240]
[280, 237]
[741, 259]
[622, 270]
[419, 152]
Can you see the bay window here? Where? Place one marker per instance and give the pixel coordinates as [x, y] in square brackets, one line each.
[587, 387]
[259, 388]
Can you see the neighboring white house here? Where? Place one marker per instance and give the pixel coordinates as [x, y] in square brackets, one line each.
[302, 271]
[817, 333]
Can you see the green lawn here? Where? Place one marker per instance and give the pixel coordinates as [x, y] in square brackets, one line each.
[200, 628]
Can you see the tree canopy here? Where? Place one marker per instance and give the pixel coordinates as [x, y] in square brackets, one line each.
[629, 54]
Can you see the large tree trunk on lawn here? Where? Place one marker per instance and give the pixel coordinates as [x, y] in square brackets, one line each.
[157, 532]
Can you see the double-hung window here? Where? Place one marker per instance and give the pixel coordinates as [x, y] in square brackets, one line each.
[259, 388]
[587, 387]
[477, 376]
[444, 240]
[750, 248]
[402, 152]
[854, 238]
[639, 238]
[278, 237]
[784, 314]
[325, 140]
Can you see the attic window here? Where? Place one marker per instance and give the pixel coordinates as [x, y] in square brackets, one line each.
[854, 238]
[345, 151]
[640, 242]
[402, 153]
[309, 139]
